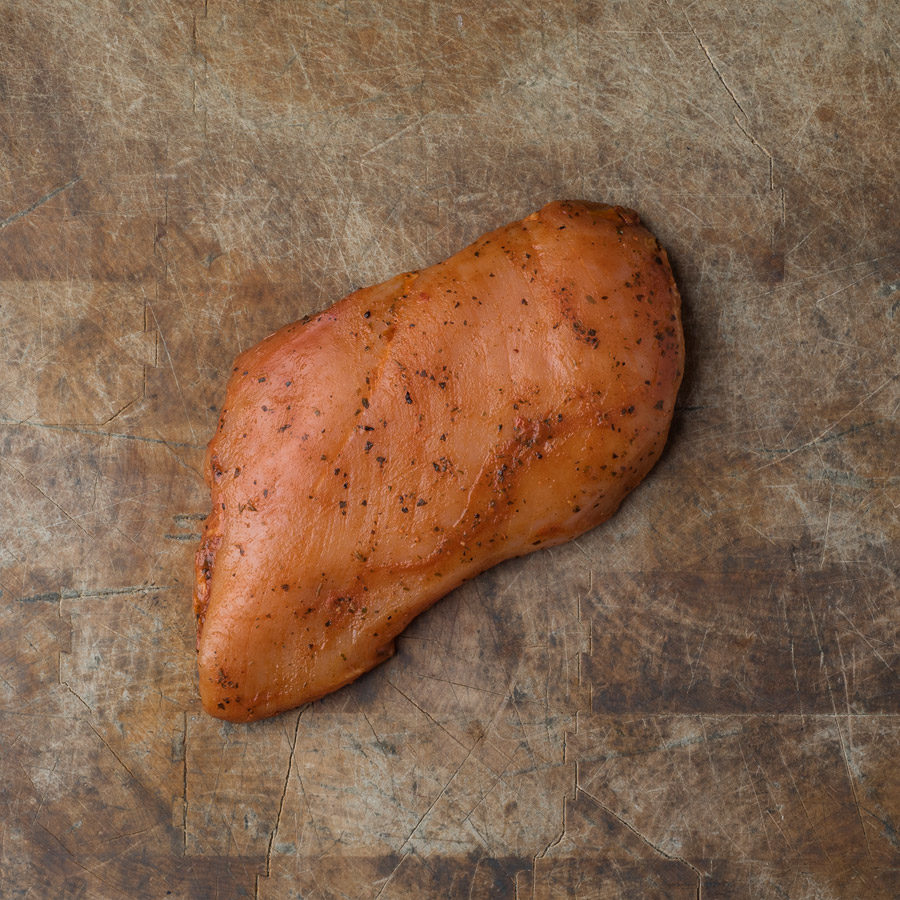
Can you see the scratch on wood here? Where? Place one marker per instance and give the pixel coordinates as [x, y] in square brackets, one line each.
[5, 223]
[387, 881]
[118, 758]
[172, 367]
[844, 753]
[827, 526]
[715, 68]
[443, 791]
[395, 135]
[462, 684]
[822, 435]
[737, 103]
[427, 716]
[168, 448]
[379, 742]
[866, 640]
[845, 287]
[766, 153]
[667, 746]
[44, 494]
[837, 723]
[118, 412]
[762, 816]
[74, 859]
[583, 551]
[78, 429]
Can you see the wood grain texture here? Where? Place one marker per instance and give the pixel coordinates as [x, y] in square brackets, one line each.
[697, 699]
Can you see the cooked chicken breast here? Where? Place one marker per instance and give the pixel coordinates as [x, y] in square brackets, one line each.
[373, 457]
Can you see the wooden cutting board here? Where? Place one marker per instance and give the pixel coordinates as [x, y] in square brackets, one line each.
[697, 699]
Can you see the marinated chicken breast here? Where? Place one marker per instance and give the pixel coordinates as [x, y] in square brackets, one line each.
[371, 458]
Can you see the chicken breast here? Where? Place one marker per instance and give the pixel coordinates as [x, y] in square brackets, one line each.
[371, 458]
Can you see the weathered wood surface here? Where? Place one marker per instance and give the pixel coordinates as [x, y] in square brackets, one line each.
[698, 698]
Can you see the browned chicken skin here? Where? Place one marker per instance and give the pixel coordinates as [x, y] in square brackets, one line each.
[372, 458]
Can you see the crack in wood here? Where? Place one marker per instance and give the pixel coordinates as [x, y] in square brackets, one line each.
[89, 593]
[655, 847]
[184, 783]
[69, 687]
[284, 788]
